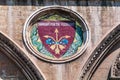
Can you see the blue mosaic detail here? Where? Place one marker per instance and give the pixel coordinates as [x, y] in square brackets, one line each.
[64, 41]
[50, 41]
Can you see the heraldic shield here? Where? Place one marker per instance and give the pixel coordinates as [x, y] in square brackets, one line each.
[56, 36]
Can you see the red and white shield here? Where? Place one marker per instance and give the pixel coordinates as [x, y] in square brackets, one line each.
[56, 36]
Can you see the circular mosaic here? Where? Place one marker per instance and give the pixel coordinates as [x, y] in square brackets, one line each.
[56, 34]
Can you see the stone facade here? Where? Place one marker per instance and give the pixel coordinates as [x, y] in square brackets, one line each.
[96, 63]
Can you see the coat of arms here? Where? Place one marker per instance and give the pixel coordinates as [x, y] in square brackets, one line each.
[57, 38]
[56, 34]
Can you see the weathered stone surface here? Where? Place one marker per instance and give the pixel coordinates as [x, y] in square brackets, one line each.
[101, 17]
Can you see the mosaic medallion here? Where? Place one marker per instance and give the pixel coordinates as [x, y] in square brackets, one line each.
[55, 34]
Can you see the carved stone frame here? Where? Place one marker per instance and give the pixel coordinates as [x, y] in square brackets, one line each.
[32, 18]
[115, 69]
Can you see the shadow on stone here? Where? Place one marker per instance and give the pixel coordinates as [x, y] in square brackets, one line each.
[60, 2]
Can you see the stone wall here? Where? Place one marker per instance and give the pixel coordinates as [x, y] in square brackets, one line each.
[100, 16]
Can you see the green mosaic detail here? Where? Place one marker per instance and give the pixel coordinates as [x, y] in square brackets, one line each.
[38, 44]
[54, 17]
[74, 46]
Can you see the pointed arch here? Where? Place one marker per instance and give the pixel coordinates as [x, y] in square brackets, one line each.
[17, 55]
[99, 53]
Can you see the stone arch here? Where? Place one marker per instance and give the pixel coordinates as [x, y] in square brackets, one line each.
[17, 55]
[100, 53]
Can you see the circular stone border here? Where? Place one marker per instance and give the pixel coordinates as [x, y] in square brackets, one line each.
[31, 19]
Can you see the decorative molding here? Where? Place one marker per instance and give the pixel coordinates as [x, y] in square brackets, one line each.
[115, 69]
[18, 56]
[43, 53]
[99, 53]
